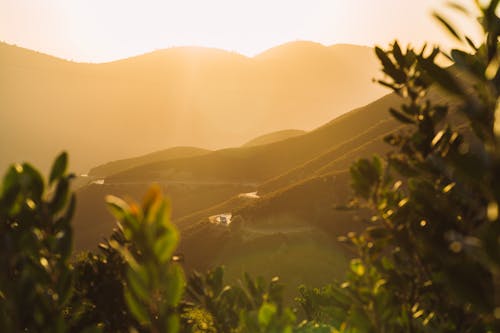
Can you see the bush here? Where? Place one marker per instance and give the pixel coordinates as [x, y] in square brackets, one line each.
[428, 262]
[430, 259]
[36, 279]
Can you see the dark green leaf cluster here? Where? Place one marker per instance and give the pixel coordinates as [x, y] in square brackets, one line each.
[154, 283]
[429, 261]
[36, 279]
[134, 283]
[252, 306]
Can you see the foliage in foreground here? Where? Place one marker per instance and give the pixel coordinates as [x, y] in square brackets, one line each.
[134, 283]
[428, 262]
[36, 280]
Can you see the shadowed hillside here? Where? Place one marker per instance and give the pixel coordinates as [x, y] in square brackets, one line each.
[198, 97]
[110, 168]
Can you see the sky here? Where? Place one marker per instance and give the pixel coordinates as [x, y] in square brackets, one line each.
[106, 30]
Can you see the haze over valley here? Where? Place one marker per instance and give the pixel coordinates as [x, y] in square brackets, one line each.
[236, 166]
[265, 141]
[184, 96]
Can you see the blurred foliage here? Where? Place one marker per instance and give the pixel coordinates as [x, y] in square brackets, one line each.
[36, 279]
[134, 283]
[99, 287]
[251, 306]
[429, 260]
[154, 282]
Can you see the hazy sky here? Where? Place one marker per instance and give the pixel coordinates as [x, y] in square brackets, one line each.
[103, 30]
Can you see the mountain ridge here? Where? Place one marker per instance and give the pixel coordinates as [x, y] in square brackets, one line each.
[292, 44]
[132, 107]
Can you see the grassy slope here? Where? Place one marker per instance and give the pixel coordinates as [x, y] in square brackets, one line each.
[330, 148]
[208, 184]
[273, 137]
[303, 197]
[290, 231]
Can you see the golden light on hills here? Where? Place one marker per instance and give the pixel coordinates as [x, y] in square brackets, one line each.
[200, 97]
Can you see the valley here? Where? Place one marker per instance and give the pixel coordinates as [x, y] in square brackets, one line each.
[254, 153]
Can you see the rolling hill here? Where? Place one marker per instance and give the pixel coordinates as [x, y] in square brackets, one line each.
[210, 183]
[111, 168]
[273, 137]
[292, 219]
[182, 96]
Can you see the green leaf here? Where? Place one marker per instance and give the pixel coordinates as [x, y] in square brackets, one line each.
[65, 242]
[60, 196]
[402, 117]
[11, 187]
[175, 285]
[137, 281]
[118, 207]
[59, 167]
[125, 253]
[398, 55]
[442, 76]
[469, 63]
[164, 247]
[65, 286]
[151, 198]
[266, 313]
[447, 25]
[65, 220]
[32, 181]
[389, 67]
[122, 211]
[357, 267]
[136, 308]
[471, 43]
[218, 279]
[172, 324]
[458, 7]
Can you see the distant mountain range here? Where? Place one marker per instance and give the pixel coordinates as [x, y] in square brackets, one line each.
[198, 97]
[291, 220]
[214, 129]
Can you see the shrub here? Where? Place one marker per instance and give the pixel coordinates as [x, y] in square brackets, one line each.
[430, 259]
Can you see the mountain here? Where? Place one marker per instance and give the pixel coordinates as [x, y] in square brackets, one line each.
[258, 164]
[281, 195]
[181, 96]
[211, 183]
[110, 168]
[273, 137]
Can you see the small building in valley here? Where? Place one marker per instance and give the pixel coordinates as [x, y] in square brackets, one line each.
[222, 219]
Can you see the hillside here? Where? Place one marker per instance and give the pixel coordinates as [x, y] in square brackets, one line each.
[182, 96]
[298, 182]
[208, 184]
[110, 168]
[257, 164]
[273, 137]
[329, 168]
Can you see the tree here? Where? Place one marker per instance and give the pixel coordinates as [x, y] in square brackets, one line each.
[154, 282]
[430, 260]
[36, 279]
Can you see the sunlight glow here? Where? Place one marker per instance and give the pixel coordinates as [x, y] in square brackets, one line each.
[96, 30]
